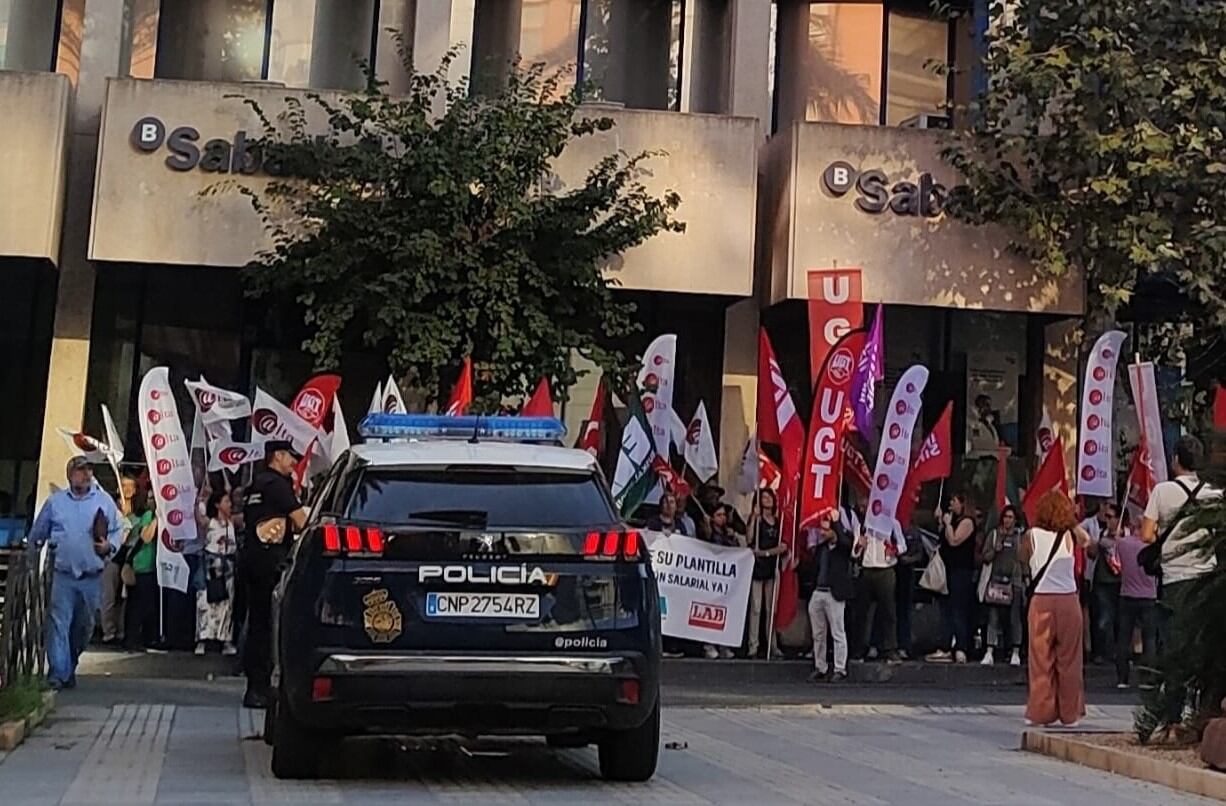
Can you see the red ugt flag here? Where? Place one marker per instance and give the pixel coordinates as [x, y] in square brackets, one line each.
[313, 402]
[779, 423]
[934, 461]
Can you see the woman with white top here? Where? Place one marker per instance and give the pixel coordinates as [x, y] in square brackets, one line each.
[1057, 689]
[215, 602]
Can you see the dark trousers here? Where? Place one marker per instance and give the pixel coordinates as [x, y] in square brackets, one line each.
[904, 602]
[1134, 613]
[1105, 606]
[875, 600]
[1170, 601]
[259, 576]
[956, 609]
[141, 614]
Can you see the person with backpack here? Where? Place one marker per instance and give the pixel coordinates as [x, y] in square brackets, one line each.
[1054, 663]
[1167, 555]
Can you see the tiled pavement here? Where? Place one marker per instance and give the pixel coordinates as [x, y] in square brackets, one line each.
[846, 754]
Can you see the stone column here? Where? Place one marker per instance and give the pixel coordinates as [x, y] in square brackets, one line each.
[69, 364]
[495, 42]
[398, 16]
[343, 36]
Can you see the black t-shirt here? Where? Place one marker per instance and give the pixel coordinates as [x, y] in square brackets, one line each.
[270, 495]
[963, 554]
[768, 538]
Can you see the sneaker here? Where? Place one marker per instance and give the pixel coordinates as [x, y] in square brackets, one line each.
[872, 653]
[1030, 723]
[1076, 723]
[1121, 685]
[725, 653]
[155, 650]
[199, 648]
[229, 649]
[709, 652]
[838, 677]
[817, 676]
[1016, 658]
[988, 658]
[893, 658]
[959, 657]
[904, 654]
[940, 656]
[776, 655]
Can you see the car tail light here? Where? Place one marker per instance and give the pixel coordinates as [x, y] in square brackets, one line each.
[356, 540]
[612, 544]
[628, 691]
[321, 689]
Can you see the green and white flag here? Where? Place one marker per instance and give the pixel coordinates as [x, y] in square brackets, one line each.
[634, 479]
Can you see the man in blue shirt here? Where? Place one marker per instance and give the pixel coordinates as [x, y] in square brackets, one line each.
[85, 529]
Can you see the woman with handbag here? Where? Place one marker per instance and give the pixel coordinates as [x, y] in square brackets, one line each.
[214, 604]
[957, 552]
[1004, 590]
[139, 575]
[1057, 688]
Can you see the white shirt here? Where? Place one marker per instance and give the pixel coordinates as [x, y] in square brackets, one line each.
[1060, 576]
[220, 539]
[1165, 501]
[875, 554]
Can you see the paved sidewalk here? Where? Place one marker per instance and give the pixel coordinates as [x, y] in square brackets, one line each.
[844, 754]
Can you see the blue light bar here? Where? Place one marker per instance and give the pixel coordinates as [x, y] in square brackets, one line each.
[437, 426]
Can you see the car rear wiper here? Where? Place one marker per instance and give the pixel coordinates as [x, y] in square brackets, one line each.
[459, 517]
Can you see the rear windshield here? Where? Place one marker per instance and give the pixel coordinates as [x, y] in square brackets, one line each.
[479, 499]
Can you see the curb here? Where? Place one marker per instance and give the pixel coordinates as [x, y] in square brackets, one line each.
[14, 732]
[1205, 782]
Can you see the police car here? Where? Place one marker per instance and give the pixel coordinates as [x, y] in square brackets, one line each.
[465, 575]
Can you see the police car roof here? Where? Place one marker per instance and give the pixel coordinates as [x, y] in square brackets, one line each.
[462, 452]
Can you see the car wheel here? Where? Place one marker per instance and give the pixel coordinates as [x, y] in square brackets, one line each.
[295, 751]
[631, 755]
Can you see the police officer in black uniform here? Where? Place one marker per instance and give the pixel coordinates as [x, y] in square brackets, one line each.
[272, 515]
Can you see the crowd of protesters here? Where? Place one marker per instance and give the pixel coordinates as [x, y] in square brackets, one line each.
[105, 570]
[1053, 595]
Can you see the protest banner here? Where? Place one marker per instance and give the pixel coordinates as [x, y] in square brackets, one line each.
[834, 311]
[273, 420]
[1095, 469]
[170, 476]
[704, 588]
[894, 455]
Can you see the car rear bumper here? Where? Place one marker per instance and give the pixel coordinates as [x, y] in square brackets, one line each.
[431, 693]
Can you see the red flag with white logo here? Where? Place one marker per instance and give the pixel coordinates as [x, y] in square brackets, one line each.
[589, 433]
[1141, 481]
[462, 393]
[313, 402]
[934, 461]
[779, 423]
[823, 466]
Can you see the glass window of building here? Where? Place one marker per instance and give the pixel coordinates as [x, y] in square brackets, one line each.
[549, 36]
[28, 34]
[632, 52]
[212, 40]
[918, 45]
[841, 67]
[859, 62]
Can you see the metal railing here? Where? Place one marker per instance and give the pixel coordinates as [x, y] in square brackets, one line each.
[25, 596]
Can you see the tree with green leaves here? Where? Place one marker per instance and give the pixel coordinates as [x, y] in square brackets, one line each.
[1101, 142]
[428, 227]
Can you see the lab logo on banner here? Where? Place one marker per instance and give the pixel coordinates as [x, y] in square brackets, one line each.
[708, 616]
[233, 455]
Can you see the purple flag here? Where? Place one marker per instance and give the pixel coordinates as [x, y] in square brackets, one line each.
[869, 370]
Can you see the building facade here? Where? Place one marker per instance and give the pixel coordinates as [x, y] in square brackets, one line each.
[113, 260]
